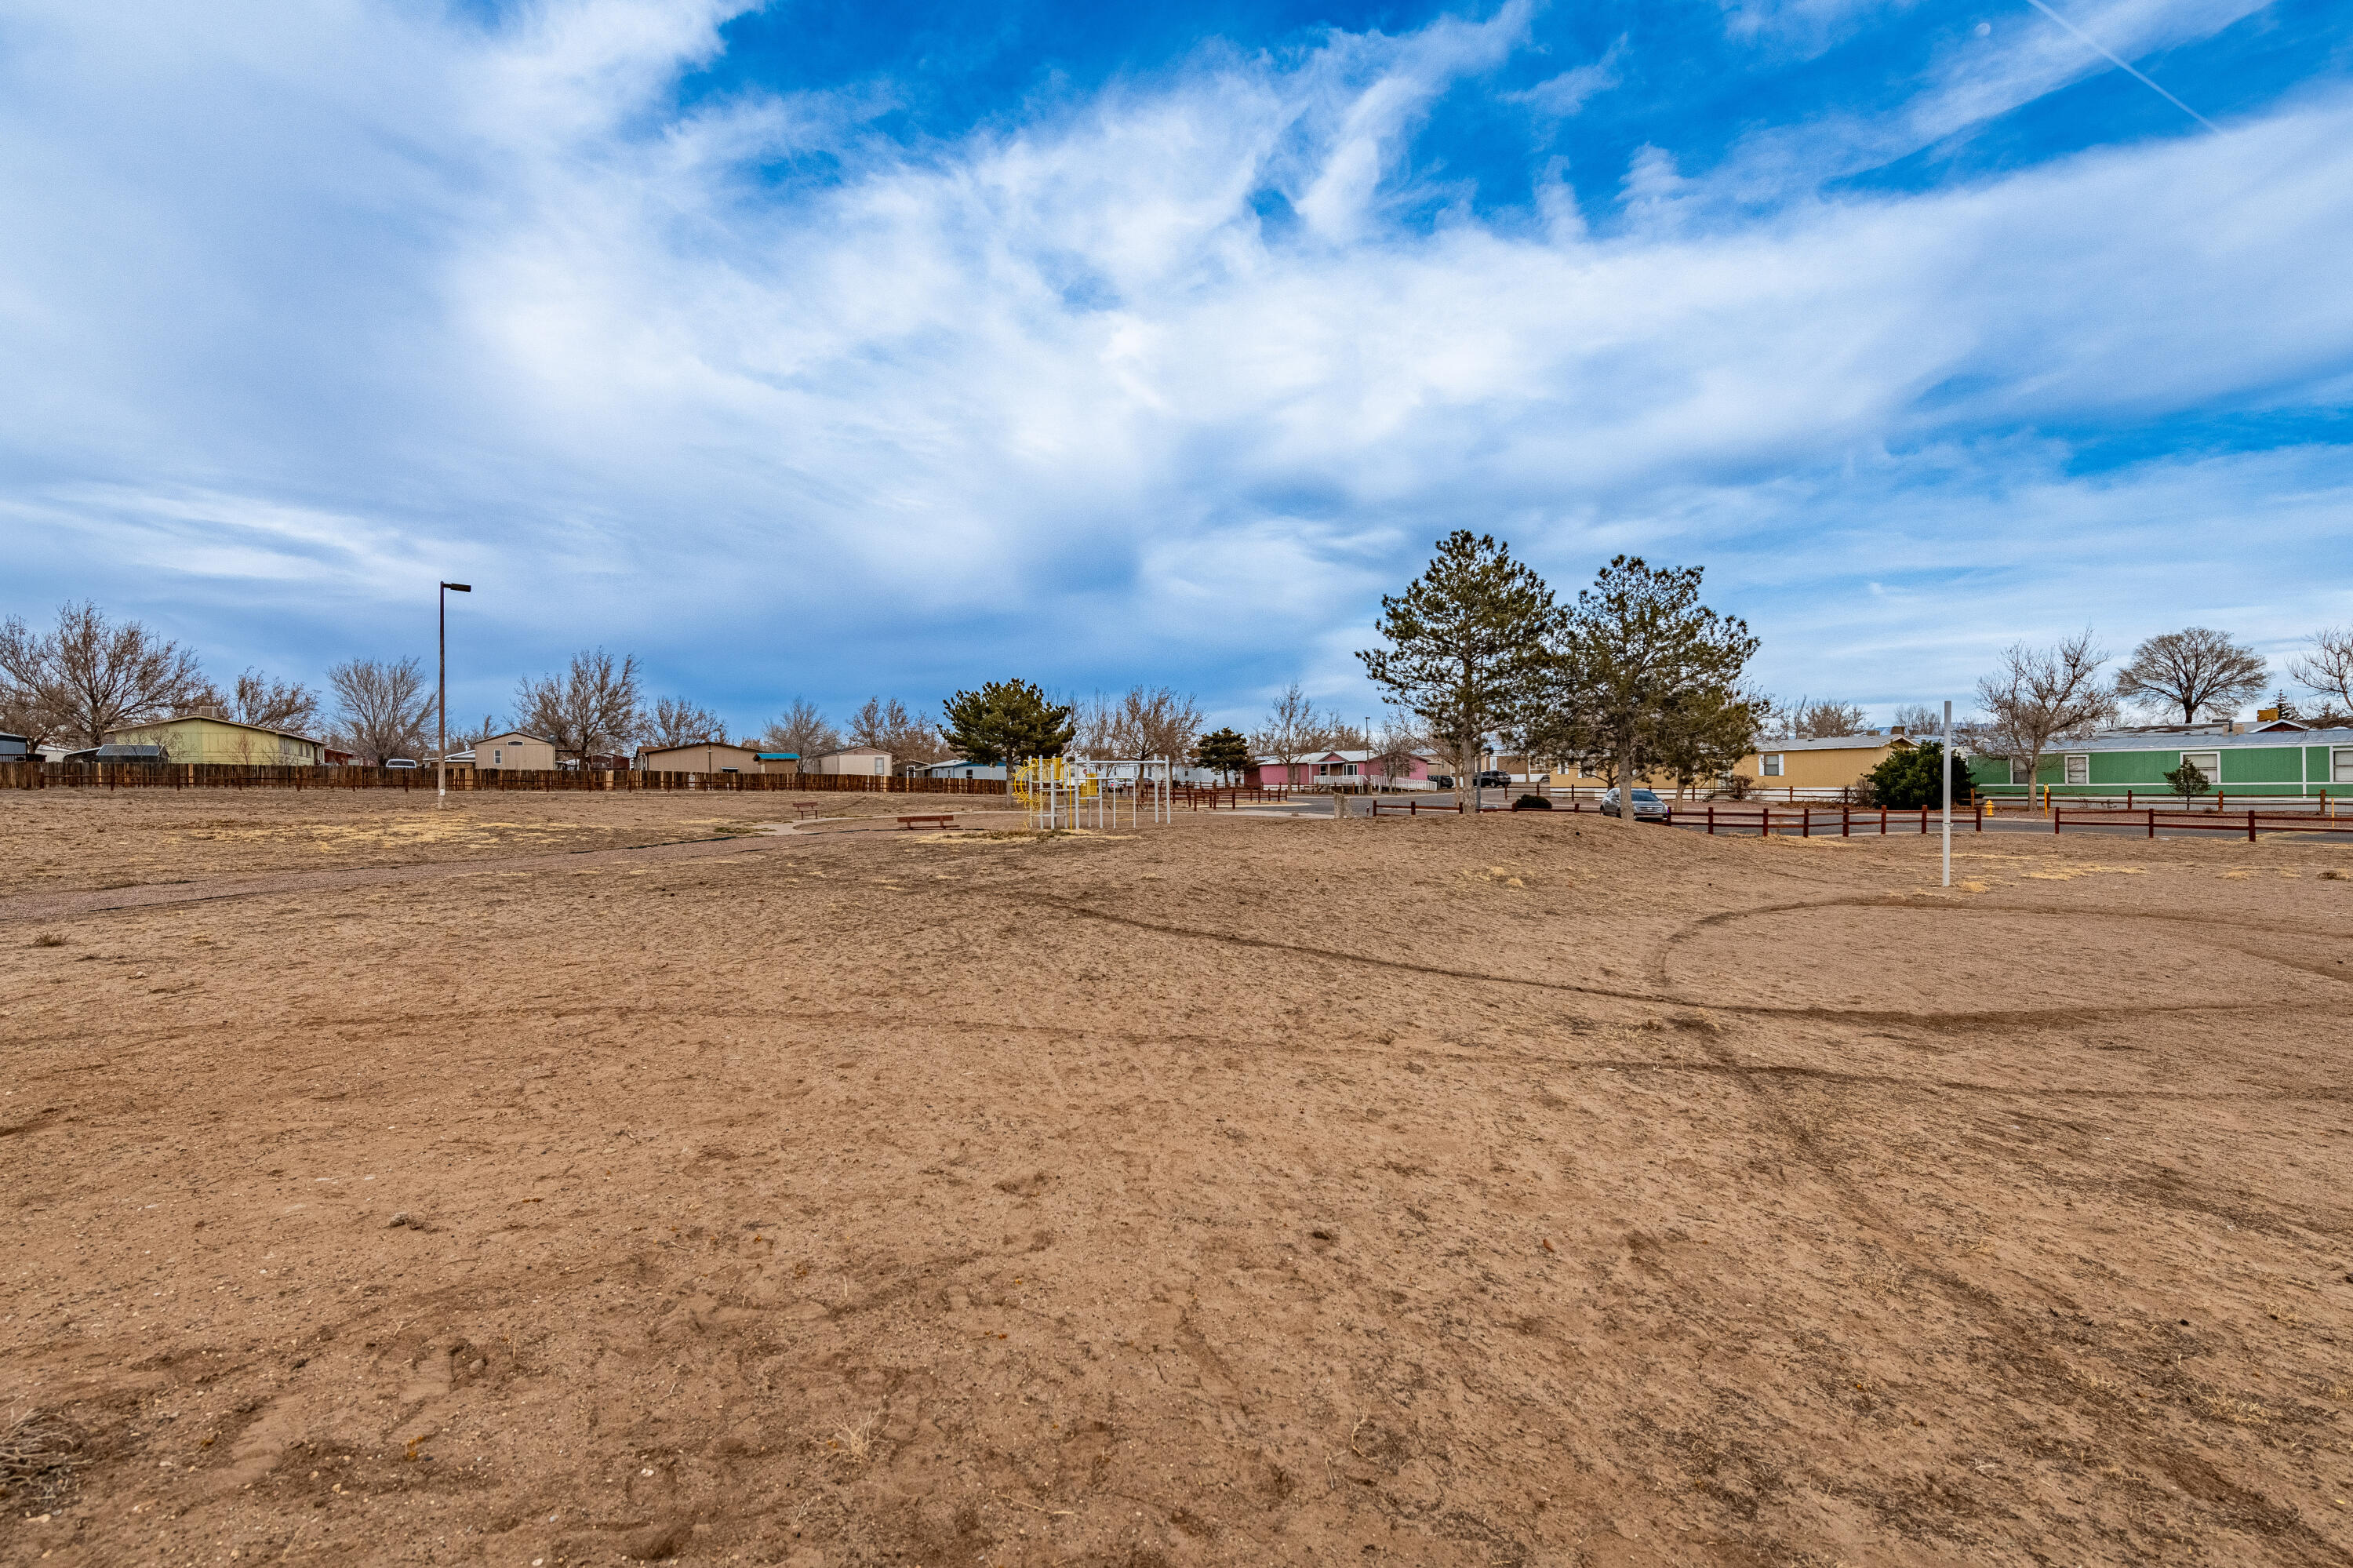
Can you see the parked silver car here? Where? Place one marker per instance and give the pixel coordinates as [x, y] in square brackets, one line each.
[1648, 807]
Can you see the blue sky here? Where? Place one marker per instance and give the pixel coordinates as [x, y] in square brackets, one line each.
[831, 352]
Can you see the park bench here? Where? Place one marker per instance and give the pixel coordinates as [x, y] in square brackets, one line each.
[803, 811]
[945, 820]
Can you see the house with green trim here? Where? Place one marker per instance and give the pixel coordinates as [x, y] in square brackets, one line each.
[2275, 761]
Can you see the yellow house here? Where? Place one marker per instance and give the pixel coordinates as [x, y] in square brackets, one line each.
[1832, 762]
[203, 738]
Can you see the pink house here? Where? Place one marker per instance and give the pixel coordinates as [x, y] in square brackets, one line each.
[1344, 770]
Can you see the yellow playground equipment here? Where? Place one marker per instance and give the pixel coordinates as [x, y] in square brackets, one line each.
[1055, 790]
[1074, 791]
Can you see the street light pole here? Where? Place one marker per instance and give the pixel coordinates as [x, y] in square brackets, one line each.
[441, 699]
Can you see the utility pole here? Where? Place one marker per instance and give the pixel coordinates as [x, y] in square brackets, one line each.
[441, 700]
[1949, 792]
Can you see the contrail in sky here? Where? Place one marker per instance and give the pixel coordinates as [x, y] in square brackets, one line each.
[2123, 65]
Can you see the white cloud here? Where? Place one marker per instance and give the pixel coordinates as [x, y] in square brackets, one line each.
[409, 292]
[1563, 96]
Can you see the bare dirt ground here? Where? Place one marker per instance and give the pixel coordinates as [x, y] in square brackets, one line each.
[1526, 1190]
[95, 838]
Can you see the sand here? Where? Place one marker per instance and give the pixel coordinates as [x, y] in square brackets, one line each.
[1522, 1190]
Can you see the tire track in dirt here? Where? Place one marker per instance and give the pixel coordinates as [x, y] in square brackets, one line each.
[2028, 1341]
[1286, 1045]
[1995, 1018]
[2117, 1420]
[2336, 970]
[1991, 906]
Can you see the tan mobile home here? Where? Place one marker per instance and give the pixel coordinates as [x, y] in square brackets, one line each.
[204, 738]
[516, 748]
[702, 756]
[851, 759]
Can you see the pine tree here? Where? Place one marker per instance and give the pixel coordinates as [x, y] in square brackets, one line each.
[1641, 671]
[1225, 750]
[1466, 644]
[1005, 721]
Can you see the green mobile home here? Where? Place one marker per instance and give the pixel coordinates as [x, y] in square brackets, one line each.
[2269, 762]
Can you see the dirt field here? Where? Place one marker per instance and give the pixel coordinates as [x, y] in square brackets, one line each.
[1524, 1190]
[87, 839]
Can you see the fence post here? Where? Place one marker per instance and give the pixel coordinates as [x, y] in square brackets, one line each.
[2054, 821]
[1924, 821]
[1805, 821]
[2251, 827]
[1980, 816]
[2152, 822]
[1846, 817]
[1711, 821]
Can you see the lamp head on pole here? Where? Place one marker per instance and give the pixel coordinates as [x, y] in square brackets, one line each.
[458, 588]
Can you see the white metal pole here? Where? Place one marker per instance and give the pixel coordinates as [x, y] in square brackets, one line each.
[1948, 792]
[441, 693]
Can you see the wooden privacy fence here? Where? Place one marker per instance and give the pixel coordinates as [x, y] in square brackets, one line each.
[232, 776]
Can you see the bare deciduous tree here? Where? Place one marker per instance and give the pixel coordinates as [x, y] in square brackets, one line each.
[268, 704]
[800, 729]
[588, 710]
[1339, 734]
[1808, 719]
[1400, 747]
[28, 705]
[1100, 733]
[675, 721]
[1917, 719]
[2198, 671]
[1159, 722]
[92, 674]
[886, 725]
[2327, 670]
[381, 704]
[1293, 729]
[2041, 695]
